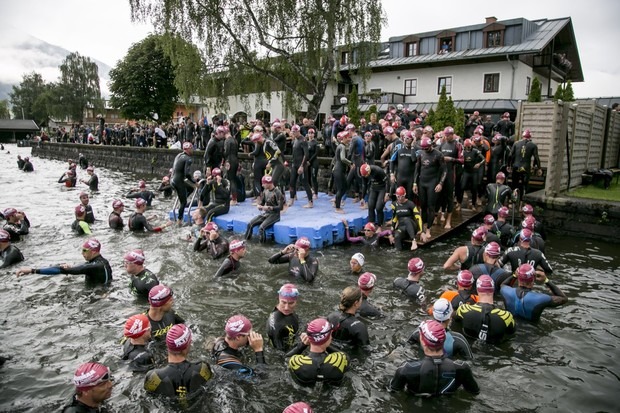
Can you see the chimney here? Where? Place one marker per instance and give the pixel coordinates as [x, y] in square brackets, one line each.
[491, 19]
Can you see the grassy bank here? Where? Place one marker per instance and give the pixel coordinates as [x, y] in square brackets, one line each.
[596, 192]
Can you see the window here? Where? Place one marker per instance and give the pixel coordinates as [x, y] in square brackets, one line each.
[344, 58]
[342, 88]
[528, 84]
[411, 87]
[446, 45]
[411, 49]
[447, 82]
[494, 39]
[491, 83]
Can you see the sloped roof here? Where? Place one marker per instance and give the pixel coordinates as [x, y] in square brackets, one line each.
[534, 43]
[25, 125]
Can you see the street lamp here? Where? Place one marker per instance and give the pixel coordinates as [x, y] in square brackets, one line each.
[343, 102]
[399, 107]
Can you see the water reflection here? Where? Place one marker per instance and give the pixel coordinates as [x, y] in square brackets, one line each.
[53, 323]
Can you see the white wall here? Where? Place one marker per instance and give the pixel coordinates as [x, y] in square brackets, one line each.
[467, 81]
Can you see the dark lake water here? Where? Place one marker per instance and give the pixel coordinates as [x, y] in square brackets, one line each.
[50, 324]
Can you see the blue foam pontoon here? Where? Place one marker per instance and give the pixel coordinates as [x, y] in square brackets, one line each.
[320, 224]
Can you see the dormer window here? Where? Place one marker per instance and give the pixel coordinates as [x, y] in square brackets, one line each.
[494, 35]
[446, 45]
[411, 49]
[446, 42]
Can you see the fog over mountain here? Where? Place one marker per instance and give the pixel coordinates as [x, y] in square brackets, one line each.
[21, 53]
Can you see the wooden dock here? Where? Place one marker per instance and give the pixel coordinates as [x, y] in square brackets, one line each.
[460, 219]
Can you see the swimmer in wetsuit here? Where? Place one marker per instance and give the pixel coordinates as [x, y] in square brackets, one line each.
[464, 293]
[525, 303]
[428, 181]
[406, 220]
[348, 329]
[283, 323]
[357, 263]
[227, 350]
[84, 200]
[455, 345]
[483, 320]
[182, 177]
[469, 254]
[161, 315]
[180, 378]
[141, 192]
[9, 254]
[300, 263]
[17, 224]
[115, 220]
[435, 374]
[211, 240]
[270, 203]
[80, 226]
[219, 190]
[489, 266]
[137, 221]
[142, 279]
[301, 166]
[93, 181]
[322, 363]
[366, 283]
[371, 237]
[93, 385]
[68, 178]
[96, 270]
[377, 180]
[136, 349]
[410, 286]
[231, 263]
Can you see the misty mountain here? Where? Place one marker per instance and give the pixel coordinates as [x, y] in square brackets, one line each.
[22, 53]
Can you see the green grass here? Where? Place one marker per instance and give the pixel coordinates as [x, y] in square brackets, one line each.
[597, 192]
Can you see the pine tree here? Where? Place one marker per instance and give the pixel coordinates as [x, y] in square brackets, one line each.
[569, 95]
[354, 104]
[559, 94]
[535, 93]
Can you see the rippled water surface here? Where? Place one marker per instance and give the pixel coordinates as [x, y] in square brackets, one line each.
[50, 324]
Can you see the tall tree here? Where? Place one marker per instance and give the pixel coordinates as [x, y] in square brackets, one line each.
[569, 95]
[260, 46]
[78, 86]
[535, 91]
[142, 84]
[5, 113]
[353, 104]
[559, 93]
[24, 98]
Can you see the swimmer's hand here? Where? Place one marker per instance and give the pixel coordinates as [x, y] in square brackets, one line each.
[23, 271]
[256, 341]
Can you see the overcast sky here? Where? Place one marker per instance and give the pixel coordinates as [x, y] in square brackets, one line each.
[102, 29]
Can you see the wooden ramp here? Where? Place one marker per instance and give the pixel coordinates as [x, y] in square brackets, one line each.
[460, 220]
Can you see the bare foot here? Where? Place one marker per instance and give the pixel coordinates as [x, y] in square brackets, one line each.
[309, 205]
[448, 226]
[339, 210]
[443, 217]
[414, 246]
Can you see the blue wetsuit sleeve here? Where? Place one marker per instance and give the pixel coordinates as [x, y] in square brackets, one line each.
[48, 271]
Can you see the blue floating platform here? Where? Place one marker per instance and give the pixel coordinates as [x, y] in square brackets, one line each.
[321, 224]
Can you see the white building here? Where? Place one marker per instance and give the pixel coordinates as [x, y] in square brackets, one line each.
[487, 67]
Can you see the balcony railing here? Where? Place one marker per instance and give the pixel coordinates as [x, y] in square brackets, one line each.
[374, 98]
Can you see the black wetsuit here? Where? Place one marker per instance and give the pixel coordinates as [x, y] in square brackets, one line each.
[282, 329]
[455, 346]
[410, 288]
[430, 170]
[505, 232]
[83, 162]
[274, 159]
[181, 170]
[258, 167]
[521, 160]
[214, 153]
[341, 164]
[499, 159]
[368, 310]
[356, 155]
[20, 163]
[434, 376]
[69, 181]
[474, 256]
[485, 322]
[93, 183]
[313, 162]
[77, 406]
[146, 195]
[140, 357]
[306, 270]
[377, 180]
[231, 149]
[324, 367]
[80, 227]
[301, 155]
[273, 199]
[90, 215]
[138, 223]
[178, 379]
[505, 127]
[216, 248]
[407, 222]
[160, 328]
[219, 196]
[16, 230]
[518, 255]
[454, 151]
[96, 271]
[229, 358]
[115, 221]
[349, 329]
[496, 273]
[403, 166]
[142, 282]
[28, 167]
[497, 197]
[10, 255]
[228, 265]
[470, 178]
[166, 188]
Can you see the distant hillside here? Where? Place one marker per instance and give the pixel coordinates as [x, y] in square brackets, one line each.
[22, 53]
